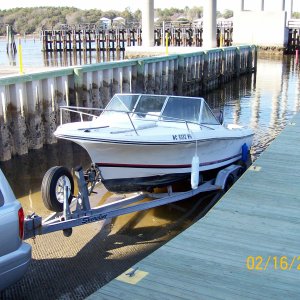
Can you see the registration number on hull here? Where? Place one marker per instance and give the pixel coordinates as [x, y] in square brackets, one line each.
[181, 137]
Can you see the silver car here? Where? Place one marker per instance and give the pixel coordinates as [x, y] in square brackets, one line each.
[15, 255]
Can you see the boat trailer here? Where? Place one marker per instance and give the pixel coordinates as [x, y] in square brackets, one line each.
[79, 212]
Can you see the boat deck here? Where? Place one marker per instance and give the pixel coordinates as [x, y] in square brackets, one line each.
[257, 221]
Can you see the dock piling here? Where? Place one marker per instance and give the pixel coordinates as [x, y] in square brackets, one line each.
[11, 48]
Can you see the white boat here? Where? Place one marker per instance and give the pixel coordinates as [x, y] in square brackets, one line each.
[141, 141]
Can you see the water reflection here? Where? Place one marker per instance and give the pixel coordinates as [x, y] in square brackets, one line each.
[265, 102]
[73, 58]
[34, 57]
[12, 58]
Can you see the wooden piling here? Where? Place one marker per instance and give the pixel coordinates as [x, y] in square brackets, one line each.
[11, 48]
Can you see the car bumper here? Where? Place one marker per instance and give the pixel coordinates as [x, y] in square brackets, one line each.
[13, 265]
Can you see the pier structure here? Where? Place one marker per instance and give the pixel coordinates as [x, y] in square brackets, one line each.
[109, 43]
[245, 247]
[85, 37]
[82, 40]
[29, 103]
[115, 40]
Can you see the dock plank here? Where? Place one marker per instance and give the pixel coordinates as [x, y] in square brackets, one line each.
[258, 216]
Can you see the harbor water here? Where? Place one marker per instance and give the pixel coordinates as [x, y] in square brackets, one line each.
[32, 56]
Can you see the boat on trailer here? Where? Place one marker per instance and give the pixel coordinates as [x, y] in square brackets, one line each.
[142, 141]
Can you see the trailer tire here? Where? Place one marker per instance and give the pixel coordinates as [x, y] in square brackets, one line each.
[53, 187]
[229, 182]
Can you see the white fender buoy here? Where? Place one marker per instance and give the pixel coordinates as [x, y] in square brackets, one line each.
[195, 172]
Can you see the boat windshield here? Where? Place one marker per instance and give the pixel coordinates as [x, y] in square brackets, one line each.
[118, 105]
[150, 104]
[182, 108]
[207, 116]
[166, 108]
[123, 102]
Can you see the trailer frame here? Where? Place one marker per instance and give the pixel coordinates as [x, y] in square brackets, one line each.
[79, 212]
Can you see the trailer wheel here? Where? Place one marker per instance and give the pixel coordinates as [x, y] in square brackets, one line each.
[243, 168]
[229, 182]
[54, 181]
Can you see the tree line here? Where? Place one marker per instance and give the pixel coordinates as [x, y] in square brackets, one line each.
[30, 20]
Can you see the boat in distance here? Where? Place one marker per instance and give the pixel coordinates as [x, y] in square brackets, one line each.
[142, 141]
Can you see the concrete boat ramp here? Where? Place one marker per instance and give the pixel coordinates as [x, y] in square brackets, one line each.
[246, 247]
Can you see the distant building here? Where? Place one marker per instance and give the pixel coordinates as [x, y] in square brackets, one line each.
[105, 22]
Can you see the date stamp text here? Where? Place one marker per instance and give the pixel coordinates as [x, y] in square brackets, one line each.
[284, 263]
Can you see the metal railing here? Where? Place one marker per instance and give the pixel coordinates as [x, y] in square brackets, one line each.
[160, 118]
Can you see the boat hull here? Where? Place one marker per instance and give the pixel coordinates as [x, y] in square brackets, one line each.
[136, 166]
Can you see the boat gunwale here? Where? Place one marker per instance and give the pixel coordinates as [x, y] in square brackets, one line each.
[156, 143]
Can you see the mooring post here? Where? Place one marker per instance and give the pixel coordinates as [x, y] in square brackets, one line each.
[237, 62]
[163, 33]
[54, 41]
[180, 75]
[59, 34]
[11, 45]
[90, 41]
[43, 40]
[255, 59]
[205, 72]
[74, 42]
[249, 60]
[84, 43]
[140, 76]
[78, 82]
[97, 41]
[64, 36]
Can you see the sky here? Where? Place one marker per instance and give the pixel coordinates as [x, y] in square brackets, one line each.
[135, 4]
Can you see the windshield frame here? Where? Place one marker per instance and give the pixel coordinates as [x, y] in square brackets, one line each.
[160, 116]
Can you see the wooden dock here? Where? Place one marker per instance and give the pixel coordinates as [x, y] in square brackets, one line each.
[257, 221]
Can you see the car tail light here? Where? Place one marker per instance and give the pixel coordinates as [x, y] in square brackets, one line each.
[21, 222]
